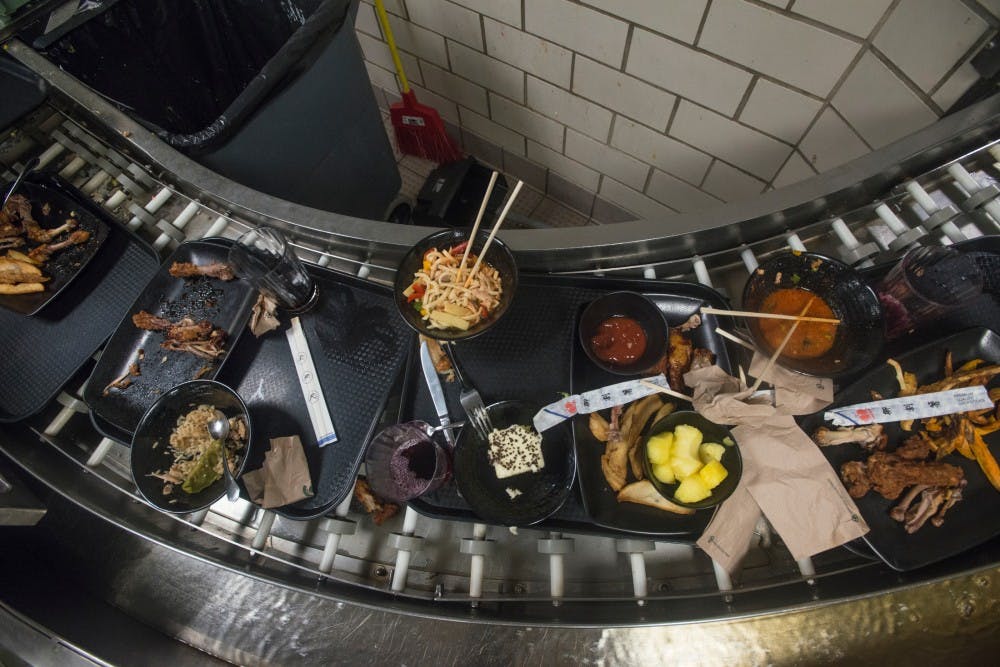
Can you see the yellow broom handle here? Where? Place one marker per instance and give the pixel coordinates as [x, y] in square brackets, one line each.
[384, 20]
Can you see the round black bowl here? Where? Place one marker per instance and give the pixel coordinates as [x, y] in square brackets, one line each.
[498, 255]
[639, 308]
[155, 427]
[542, 492]
[712, 432]
[861, 332]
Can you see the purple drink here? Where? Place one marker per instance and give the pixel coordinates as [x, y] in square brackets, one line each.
[403, 462]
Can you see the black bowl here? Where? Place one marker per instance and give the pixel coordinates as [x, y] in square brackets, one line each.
[712, 432]
[155, 427]
[861, 332]
[639, 308]
[498, 255]
[542, 492]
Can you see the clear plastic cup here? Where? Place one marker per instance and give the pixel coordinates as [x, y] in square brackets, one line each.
[404, 462]
[264, 257]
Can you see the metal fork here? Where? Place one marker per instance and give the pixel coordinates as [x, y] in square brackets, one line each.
[470, 399]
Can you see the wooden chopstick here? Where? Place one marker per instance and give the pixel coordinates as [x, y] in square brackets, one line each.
[781, 348]
[736, 339]
[664, 390]
[493, 232]
[479, 219]
[769, 316]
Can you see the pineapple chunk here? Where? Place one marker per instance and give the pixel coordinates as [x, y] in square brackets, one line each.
[691, 490]
[684, 466]
[710, 451]
[659, 448]
[443, 319]
[713, 473]
[665, 473]
[686, 441]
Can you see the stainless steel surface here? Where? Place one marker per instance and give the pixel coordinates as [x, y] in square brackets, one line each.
[437, 393]
[18, 505]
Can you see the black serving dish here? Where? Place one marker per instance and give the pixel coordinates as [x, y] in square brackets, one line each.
[625, 304]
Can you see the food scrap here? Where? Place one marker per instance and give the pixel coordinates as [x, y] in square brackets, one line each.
[124, 381]
[441, 362]
[217, 270]
[202, 339]
[20, 273]
[380, 511]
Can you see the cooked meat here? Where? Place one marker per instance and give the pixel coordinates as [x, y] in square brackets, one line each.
[898, 512]
[702, 358]
[952, 496]
[380, 511]
[614, 461]
[39, 235]
[43, 252]
[692, 322]
[913, 448]
[210, 348]
[890, 474]
[201, 339]
[855, 478]
[149, 322]
[931, 500]
[218, 270]
[870, 437]
[11, 242]
[678, 358]
[16, 211]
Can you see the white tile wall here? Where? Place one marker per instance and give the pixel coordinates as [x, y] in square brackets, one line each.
[830, 142]
[562, 165]
[528, 52]
[568, 109]
[578, 28]
[376, 52]
[792, 51]
[635, 202]
[497, 134]
[730, 184]
[655, 149]
[677, 194]
[675, 18]
[508, 11]
[419, 41]
[898, 113]
[857, 17]
[607, 160]
[486, 71]
[456, 88]
[447, 109]
[794, 171]
[625, 94]
[366, 21]
[456, 22]
[956, 85]
[529, 123]
[779, 110]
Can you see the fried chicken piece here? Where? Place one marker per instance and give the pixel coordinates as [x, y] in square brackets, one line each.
[913, 448]
[11, 242]
[38, 235]
[890, 474]
[15, 212]
[218, 270]
[702, 358]
[43, 252]
[855, 478]
[380, 511]
[183, 330]
[690, 323]
[870, 437]
[679, 357]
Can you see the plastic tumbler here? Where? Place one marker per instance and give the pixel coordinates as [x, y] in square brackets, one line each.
[264, 257]
[404, 462]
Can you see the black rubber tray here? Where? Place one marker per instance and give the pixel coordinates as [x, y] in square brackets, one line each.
[41, 353]
[529, 356]
[358, 344]
[225, 304]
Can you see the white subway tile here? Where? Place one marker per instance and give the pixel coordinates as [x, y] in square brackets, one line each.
[682, 70]
[562, 165]
[992, 6]
[956, 85]
[795, 170]
[676, 18]
[857, 17]
[507, 139]
[529, 53]
[446, 108]
[831, 142]
[607, 160]
[490, 72]
[450, 20]
[789, 50]
[925, 38]
[527, 122]
[737, 144]
[455, 88]
[623, 93]
[392, 7]
[637, 203]
[677, 194]
[659, 150]
[366, 21]
[418, 41]
[579, 28]
[779, 111]
[508, 11]
[730, 184]
[382, 78]
[568, 109]
[376, 51]
[879, 105]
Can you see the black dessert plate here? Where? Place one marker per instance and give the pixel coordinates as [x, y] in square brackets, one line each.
[972, 520]
[224, 304]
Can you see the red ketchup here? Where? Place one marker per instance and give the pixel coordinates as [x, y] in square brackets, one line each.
[619, 341]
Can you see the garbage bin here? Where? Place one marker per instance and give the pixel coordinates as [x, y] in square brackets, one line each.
[270, 93]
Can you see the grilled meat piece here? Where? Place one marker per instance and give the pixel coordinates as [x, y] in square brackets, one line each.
[679, 358]
[702, 358]
[870, 437]
[218, 270]
[38, 235]
[889, 474]
[201, 339]
[914, 448]
[43, 252]
[208, 348]
[15, 212]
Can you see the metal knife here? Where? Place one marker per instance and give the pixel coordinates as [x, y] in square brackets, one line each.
[437, 393]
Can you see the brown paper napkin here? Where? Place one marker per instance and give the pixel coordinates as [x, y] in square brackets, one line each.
[284, 477]
[262, 317]
[784, 474]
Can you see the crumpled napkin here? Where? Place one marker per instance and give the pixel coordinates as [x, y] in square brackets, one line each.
[785, 476]
[263, 317]
[284, 477]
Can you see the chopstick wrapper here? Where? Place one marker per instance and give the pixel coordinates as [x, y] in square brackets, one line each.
[785, 476]
[284, 477]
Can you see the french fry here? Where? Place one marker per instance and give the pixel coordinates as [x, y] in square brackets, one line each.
[21, 288]
[986, 461]
[21, 257]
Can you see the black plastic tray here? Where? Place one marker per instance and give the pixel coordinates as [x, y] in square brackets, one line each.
[225, 304]
[968, 523]
[63, 268]
[359, 345]
[41, 353]
[529, 356]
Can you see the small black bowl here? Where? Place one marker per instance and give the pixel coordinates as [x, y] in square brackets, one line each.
[861, 332]
[498, 255]
[639, 308]
[154, 429]
[712, 432]
[542, 492]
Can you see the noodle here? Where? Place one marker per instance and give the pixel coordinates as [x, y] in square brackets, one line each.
[445, 302]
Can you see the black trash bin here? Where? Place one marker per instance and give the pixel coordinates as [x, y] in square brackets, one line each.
[270, 93]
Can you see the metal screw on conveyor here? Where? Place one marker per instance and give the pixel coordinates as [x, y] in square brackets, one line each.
[635, 550]
[977, 196]
[557, 546]
[905, 236]
[852, 251]
[938, 218]
[405, 543]
[336, 527]
[478, 547]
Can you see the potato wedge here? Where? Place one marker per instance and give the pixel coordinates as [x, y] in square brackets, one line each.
[21, 288]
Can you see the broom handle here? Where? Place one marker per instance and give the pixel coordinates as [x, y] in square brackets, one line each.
[383, 19]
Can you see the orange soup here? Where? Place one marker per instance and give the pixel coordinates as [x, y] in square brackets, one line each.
[811, 339]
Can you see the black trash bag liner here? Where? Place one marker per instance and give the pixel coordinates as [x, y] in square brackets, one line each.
[194, 70]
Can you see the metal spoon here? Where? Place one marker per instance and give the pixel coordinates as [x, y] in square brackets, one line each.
[218, 429]
[27, 169]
